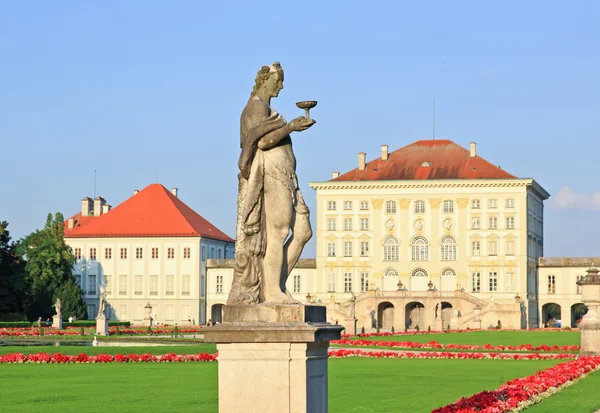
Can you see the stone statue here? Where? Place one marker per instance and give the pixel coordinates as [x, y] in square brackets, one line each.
[270, 203]
[437, 310]
[57, 306]
[102, 309]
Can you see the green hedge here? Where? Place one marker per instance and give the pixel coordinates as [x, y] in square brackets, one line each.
[15, 324]
[92, 323]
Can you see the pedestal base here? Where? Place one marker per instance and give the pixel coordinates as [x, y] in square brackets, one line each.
[590, 337]
[57, 321]
[102, 326]
[272, 368]
[439, 325]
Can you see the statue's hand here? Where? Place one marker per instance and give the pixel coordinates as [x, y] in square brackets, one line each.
[301, 123]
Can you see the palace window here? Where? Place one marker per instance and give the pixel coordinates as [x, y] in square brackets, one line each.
[331, 282]
[219, 284]
[364, 248]
[510, 281]
[187, 253]
[154, 285]
[107, 253]
[91, 285]
[510, 203]
[108, 284]
[296, 283]
[203, 254]
[139, 253]
[391, 249]
[347, 224]
[364, 224]
[155, 253]
[92, 253]
[364, 281]
[475, 204]
[77, 253]
[347, 282]
[390, 207]
[493, 223]
[551, 284]
[448, 252]
[123, 253]
[419, 207]
[331, 205]
[364, 205]
[493, 248]
[185, 284]
[510, 222]
[170, 285]
[420, 249]
[170, 253]
[331, 249]
[419, 272]
[492, 203]
[390, 272]
[448, 206]
[448, 272]
[138, 281]
[510, 247]
[475, 223]
[476, 282]
[347, 248]
[475, 248]
[123, 284]
[331, 224]
[347, 205]
[493, 279]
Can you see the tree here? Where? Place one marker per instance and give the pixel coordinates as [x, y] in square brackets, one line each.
[71, 303]
[49, 268]
[12, 283]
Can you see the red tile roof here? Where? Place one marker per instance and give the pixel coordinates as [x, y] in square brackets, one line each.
[446, 160]
[153, 212]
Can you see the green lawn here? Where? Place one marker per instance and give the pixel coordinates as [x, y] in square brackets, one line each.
[580, 397]
[535, 338]
[355, 385]
[188, 349]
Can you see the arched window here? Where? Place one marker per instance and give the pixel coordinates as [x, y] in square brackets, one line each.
[390, 272]
[448, 248]
[448, 272]
[420, 249]
[419, 272]
[390, 249]
[390, 207]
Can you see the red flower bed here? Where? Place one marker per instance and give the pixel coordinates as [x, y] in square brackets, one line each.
[446, 355]
[75, 331]
[520, 393]
[438, 346]
[45, 358]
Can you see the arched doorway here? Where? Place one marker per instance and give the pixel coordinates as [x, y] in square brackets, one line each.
[385, 315]
[550, 314]
[415, 315]
[216, 313]
[418, 280]
[448, 280]
[446, 314]
[577, 311]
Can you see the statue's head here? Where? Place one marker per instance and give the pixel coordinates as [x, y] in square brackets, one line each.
[269, 78]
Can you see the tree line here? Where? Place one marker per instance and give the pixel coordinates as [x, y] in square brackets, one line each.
[35, 271]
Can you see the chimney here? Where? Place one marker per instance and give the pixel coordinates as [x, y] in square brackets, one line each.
[174, 191]
[86, 206]
[384, 152]
[335, 174]
[106, 208]
[98, 203]
[362, 161]
[71, 223]
[136, 191]
[473, 151]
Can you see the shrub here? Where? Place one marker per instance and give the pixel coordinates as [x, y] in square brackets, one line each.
[405, 329]
[82, 331]
[41, 331]
[393, 331]
[448, 327]
[362, 330]
[149, 330]
[16, 324]
[429, 329]
[92, 323]
[417, 327]
[378, 329]
[117, 331]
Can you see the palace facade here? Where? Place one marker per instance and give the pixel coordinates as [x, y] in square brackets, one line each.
[152, 249]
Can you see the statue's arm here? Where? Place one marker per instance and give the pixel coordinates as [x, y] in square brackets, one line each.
[272, 139]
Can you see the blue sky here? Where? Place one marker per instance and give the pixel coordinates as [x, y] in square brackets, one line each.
[132, 88]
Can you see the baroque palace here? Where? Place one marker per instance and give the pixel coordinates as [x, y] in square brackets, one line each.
[429, 235]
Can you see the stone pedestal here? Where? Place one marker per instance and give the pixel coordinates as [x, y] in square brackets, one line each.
[102, 326]
[273, 359]
[438, 324]
[590, 323]
[57, 321]
[148, 316]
